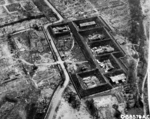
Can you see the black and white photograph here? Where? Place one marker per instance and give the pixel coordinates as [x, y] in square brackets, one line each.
[74, 59]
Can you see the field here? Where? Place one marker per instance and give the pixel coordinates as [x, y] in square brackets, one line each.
[103, 103]
[2, 2]
[32, 47]
[66, 111]
[28, 70]
[19, 11]
[74, 9]
[14, 85]
[47, 79]
[105, 106]
[116, 13]
[23, 25]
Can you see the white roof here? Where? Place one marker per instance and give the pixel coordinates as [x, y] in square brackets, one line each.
[118, 78]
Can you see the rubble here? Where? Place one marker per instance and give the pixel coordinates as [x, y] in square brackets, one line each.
[102, 49]
[94, 37]
[106, 65]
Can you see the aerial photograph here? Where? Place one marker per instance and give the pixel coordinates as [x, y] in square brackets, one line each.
[74, 59]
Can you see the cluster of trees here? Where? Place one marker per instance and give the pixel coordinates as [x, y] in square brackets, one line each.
[137, 36]
[117, 113]
[73, 101]
[11, 43]
[92, 108]
[132, 73]
[136, 21]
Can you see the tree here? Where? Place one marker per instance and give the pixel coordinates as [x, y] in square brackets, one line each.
[132, 76]
[73, 101]
[117, 113]
[36, 27]
[10, 42]
[92, 108]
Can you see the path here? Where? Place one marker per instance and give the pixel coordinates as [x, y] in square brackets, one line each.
[59, 91]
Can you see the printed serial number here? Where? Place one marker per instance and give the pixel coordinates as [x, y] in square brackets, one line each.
[135, 116]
